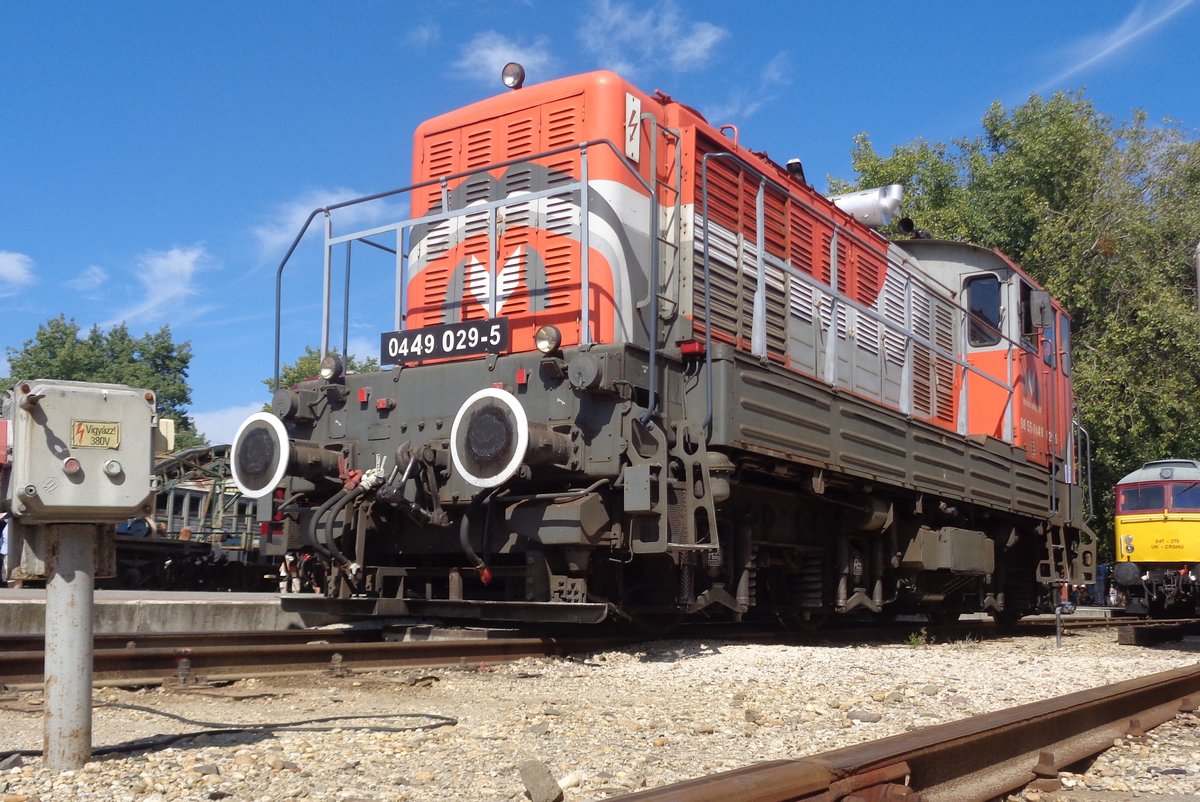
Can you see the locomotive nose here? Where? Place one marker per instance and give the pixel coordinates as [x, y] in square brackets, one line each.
[260, 454]
[489, 437]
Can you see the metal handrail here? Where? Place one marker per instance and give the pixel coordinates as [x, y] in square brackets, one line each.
[1084, 471]
[444, 181]
[838, 297]
[652, 381]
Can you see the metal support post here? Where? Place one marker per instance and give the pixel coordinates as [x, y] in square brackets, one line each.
[1065, 608]
[70, 557]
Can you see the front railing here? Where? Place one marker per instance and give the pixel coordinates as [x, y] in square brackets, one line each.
[401, 231]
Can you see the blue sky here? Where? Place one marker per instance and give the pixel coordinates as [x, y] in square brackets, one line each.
[156, 158]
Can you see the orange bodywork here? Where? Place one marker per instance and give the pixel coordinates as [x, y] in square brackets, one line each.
[537, 266]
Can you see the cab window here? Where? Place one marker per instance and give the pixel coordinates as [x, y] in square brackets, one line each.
[1142, 498]
[1185, 497]
[983, 303]
[1028, 330]
[1049, 354]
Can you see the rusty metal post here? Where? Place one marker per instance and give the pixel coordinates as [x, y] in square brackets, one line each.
[70, 558]
[1064, 608]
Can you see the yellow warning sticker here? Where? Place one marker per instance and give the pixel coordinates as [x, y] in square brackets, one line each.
[95, 434]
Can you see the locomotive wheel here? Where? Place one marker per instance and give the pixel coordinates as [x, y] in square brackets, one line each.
[943, 614]
[1005, 618]
[888, 614]
[654, 624]
[805, 620]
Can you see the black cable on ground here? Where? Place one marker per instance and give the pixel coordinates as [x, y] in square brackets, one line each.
[221, 728]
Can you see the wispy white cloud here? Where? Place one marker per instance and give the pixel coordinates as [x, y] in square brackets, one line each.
[276, 234]
[483, 57]
[16, 272]
[630, 39]
[423, 35]
[749, 100]
[1094, 50]
[90, 279]
[220, 425]
[168, 279]
[363, 347]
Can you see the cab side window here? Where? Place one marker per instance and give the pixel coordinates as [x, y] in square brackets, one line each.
[1028, 330]
[1049, 346]
[983, 304]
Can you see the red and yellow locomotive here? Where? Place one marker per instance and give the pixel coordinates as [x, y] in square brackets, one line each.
[1157, 545]
[638, 370]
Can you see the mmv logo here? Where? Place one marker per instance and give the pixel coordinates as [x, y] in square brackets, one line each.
[485, 287]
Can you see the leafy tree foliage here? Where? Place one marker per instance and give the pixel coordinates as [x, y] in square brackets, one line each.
[153, 362]
[308, 364]
[1106, 215]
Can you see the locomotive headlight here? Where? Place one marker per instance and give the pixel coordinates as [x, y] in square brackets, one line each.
[332, 367]
[547, 339]
[513, 75]
[1128, 542]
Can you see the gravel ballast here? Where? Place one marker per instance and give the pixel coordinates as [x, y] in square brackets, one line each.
[607, 724]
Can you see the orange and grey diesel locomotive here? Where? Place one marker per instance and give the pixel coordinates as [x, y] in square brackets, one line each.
[636, 370]
[1158, 538]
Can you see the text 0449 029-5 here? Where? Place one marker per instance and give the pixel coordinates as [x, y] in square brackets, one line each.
[438, 342]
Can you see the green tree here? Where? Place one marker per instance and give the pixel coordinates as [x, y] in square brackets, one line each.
[308, 364]
[1106, 215]
[153, 361]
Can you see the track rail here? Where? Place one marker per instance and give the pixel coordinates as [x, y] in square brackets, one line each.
[159, 664]
[150, 657]
[980, 758]
[182, 640]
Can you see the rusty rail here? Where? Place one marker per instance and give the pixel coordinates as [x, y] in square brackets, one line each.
[1155, 632]
[156, 664]
[19, 653]
[182, 640]
[974, 759]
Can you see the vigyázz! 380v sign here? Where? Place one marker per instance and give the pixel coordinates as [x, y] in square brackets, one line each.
[95, 434]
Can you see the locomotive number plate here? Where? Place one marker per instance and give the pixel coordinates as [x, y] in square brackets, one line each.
[439, 342]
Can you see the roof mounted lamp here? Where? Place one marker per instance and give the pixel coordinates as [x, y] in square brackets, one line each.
[513, 75]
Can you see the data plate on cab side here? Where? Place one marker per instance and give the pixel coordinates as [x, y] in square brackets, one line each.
[441, 342]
